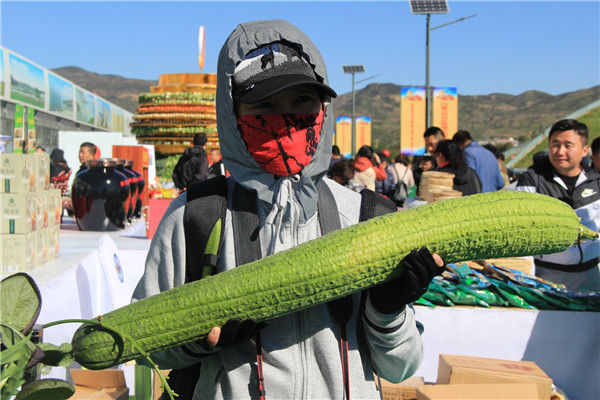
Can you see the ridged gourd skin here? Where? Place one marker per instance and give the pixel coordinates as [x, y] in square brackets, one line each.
[491, 225]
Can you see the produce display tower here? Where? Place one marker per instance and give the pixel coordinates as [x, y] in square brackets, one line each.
[180, 106]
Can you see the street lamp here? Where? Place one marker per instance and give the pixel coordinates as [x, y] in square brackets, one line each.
[353, 69]
[431, 7]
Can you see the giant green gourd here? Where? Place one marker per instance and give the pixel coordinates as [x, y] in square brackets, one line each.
[490, 225]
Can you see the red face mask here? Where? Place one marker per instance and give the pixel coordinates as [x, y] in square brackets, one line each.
[282, 144]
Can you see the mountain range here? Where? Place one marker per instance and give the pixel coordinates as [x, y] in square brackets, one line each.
[489, 116]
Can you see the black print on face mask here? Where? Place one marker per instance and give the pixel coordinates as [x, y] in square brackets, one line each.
[281, 144]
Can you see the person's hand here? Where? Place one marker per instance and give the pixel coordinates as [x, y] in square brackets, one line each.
[212, 338]
[235, 331]
[420, 267]
[377, 159]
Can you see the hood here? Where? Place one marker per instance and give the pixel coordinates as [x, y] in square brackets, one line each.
[461, 176]
[362, 163]
[242, 167]
[58, 155]
[194, 151]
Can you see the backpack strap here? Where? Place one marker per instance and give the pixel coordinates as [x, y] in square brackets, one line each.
[246, 226]
[372, 205]
[204, 214]
[205, 211]
[339, 309]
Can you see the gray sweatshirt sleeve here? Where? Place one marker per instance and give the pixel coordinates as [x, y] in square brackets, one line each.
[394, 341]
[165, 262]
[165, 269]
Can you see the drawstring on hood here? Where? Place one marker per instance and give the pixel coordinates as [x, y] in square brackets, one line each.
[294, 196]
[285, 210]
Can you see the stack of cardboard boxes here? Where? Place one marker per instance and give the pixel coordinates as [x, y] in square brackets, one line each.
[436, 186]
[31, 213]
[465, 377]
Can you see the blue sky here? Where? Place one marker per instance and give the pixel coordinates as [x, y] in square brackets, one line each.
[509, 47]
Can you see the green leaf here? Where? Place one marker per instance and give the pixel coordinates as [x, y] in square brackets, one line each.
[18, 352]
[57, 356]
[44, 389]
[11, 378]
[10, 335]
[20, 301]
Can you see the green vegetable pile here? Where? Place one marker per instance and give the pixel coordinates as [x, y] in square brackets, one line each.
[497, 286]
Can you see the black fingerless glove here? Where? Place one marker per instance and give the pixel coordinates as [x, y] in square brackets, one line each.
[419, 269]
[236, 331]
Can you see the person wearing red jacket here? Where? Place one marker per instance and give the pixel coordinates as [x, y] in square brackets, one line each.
[368, 168]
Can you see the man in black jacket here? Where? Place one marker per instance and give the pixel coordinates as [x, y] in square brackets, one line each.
[192, 165]
[562, 175]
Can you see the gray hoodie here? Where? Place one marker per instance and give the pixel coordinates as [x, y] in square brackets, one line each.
[301, 353]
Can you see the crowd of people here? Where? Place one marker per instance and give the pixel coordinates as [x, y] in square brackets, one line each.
[476, 168]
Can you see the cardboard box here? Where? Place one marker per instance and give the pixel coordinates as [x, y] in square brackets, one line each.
[43, 199]
[42, 171]
[20, 212]
[454, 369]
[55, 210]
[106, 384]
[53, 242]
[405, 390]
[18, 173]
[17, 253]
[490, 391]
[41, 247]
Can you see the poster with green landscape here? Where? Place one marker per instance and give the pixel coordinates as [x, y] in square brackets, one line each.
[26, 82]
[85, 107]
[61, 96]
[104, 116]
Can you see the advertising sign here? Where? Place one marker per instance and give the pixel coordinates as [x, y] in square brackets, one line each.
[104, 116]
[85, 107]
[118, 120]
[412, 120]
[343, 135]
[19, 129]
[31, 130]
[27, 82]
[363, 132]
[445, 110]
[61, 96]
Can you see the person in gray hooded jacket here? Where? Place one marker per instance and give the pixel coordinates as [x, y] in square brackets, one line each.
[272, 79]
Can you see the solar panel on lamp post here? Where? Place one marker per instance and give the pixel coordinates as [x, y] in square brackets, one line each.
[353, 69]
